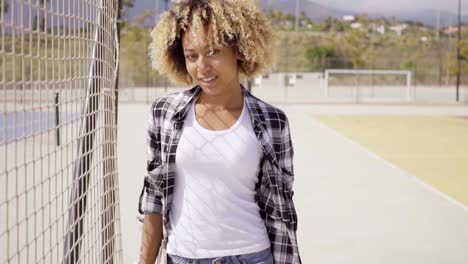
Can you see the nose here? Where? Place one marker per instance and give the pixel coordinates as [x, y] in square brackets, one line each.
[203, 64]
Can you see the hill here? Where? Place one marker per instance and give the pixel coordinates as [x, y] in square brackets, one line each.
[318, 12]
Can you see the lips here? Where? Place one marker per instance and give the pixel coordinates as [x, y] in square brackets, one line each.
[208, 80]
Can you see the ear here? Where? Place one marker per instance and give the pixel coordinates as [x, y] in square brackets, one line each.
[238, 54]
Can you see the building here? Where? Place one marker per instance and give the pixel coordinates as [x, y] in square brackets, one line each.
[398, 28]
[349, 18]
[454, 29]
[377, 28]
[356, 25]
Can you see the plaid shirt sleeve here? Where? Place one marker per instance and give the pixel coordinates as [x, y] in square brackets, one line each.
[286, 159]
[153, 202]
[285, 247]
[275, 199]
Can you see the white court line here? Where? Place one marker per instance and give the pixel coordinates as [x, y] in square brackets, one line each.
[388, 163]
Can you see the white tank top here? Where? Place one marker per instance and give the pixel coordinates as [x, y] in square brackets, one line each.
[214, 212]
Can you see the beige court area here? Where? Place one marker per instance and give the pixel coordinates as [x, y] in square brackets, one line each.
[431, 148]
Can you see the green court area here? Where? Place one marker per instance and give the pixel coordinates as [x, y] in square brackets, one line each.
[432, 148]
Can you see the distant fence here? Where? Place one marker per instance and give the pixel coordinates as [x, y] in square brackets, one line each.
[59, 198]
[310, 87]
[430, 62]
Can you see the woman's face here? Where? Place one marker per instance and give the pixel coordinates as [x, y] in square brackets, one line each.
[213, 69]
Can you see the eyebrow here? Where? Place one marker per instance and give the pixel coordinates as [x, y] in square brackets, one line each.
[206, 47]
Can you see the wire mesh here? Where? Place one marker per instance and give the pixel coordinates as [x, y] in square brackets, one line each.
[58, 165]
[380, 85]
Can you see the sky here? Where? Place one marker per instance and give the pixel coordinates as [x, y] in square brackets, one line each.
[388, 5]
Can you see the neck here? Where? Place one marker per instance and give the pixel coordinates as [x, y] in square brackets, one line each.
[230, 100]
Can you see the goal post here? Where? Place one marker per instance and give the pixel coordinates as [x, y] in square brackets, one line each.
[366, 89]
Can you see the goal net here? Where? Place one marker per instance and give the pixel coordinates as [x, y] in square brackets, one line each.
[369, 85]
[58, 165]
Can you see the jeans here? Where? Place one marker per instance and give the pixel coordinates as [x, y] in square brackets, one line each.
[260, 257]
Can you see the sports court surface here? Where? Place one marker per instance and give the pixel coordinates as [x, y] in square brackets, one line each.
[432, 148]
[374, 184]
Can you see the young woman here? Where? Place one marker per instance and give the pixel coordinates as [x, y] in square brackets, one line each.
[220, 161]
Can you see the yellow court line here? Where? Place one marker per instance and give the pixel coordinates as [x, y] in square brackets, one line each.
[432, 148]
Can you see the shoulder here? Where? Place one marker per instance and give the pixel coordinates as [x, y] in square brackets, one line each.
[166, 105]
[167, 102]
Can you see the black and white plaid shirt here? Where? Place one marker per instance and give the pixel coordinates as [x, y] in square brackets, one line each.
[274, 189]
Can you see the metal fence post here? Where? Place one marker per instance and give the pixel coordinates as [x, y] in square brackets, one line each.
[82, 166]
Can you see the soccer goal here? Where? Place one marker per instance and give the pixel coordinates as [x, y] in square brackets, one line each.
[59, 198]
[369, 85]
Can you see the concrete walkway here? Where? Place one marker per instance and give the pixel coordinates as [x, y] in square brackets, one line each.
[353, 206]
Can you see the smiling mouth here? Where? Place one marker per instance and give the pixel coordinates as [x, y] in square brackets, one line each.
[209, 80]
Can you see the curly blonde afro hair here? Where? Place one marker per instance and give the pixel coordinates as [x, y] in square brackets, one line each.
[235, 23]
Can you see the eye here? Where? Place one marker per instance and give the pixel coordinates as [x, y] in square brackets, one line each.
[190, 57]
[212, 52]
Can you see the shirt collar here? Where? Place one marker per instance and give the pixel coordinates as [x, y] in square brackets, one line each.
[184, 105]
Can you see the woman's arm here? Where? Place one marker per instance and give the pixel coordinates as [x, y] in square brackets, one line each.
[151, 238]
[152, 224]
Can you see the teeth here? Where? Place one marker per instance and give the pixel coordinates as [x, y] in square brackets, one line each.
[208, 79]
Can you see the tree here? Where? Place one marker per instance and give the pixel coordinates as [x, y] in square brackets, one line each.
[320, 52]
[339, 26]
[4, 7]
[363, 20]
[317, 56]
[143, 18]
[452, 56]
[275, 16]
[304, 20]
[407, 64]
[135, 63]
[332, 24]
[126, 4]
[358, 43]
[327, 24]
[39, 20]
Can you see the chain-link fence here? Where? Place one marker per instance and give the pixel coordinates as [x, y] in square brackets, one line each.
[58, 165]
